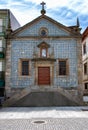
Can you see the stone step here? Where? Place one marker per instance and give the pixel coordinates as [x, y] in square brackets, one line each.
[61, 90]
[44, 99]
[16, 97]
[67, 94]
[40, 89]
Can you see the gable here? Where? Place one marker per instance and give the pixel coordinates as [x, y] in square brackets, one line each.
[53, 28]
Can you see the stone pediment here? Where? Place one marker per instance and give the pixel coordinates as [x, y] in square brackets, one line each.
[43, 44]
[53, 28]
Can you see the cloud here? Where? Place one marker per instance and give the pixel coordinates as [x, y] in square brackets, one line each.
[65, 11]
[76, 5]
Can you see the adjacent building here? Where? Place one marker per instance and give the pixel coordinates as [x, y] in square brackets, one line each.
[8, 23]
[85, 64]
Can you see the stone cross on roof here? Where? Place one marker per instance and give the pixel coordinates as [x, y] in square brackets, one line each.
[43, 5]
[43, 10]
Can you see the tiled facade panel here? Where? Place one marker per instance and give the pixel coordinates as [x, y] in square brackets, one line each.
[66, 49]
[63, 49]
[53, 30]
[21, 50]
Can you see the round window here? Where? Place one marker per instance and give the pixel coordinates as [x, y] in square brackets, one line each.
[43, 32]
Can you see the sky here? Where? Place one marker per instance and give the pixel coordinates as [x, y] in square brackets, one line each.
[65, 12]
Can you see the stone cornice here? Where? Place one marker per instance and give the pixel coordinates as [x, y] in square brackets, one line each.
[43, 59]
[48, 37]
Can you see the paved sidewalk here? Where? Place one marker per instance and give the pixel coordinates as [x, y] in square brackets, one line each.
[44, 118]
[43, 112]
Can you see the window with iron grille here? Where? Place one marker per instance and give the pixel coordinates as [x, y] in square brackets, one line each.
[85, 68]
[84, 48]
[63, 67]
[86, 85]
[25, 67]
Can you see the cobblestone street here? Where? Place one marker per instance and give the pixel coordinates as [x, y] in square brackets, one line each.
[45, 124]
[52, 118]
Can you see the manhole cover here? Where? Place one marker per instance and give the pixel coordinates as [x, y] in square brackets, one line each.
[39, 122]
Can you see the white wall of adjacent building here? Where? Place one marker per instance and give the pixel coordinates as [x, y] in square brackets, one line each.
[85, 67]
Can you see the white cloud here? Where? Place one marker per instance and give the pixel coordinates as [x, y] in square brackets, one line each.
[69, 14]
[50, 4]
[76, 5]
[27, 10]
[79, 6]
[25, 16]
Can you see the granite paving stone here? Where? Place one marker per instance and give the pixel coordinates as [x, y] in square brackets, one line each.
[44, 118]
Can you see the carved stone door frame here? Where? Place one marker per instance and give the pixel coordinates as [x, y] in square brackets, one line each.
[44, 64]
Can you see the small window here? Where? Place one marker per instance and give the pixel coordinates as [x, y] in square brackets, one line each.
[1, 48]
[43, 31]
[84, 48]
[0, 43]
[2, 92]
[0, 66]
[43, 52]
[86, 85]
[43, 47]
[63, 70]
[85, 68]
[25, 67]
[1, 23]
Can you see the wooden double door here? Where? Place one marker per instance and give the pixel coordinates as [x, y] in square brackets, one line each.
[43, 75]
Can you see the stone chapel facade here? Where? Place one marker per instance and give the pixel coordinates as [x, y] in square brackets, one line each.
[44, 64]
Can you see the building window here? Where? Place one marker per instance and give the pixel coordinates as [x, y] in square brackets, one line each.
[23, 67]
[0, 43]
[1, 48]
[0, 66]
[86, 85]
[43, 47]
[1, 23]
[84, 48]
[43, 31]
[85, 68]
[2, 92]
[43, 52]
[63, 69]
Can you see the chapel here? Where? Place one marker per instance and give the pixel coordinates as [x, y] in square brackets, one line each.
[44, 64]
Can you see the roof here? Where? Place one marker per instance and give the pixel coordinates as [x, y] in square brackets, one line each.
[68, 29]
[85, 34]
